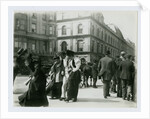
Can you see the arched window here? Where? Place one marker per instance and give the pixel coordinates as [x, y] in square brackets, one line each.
[63, 30]
[63, 46]
[80, 28]
[80, 45]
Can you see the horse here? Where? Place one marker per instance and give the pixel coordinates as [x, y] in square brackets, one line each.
[86, 73]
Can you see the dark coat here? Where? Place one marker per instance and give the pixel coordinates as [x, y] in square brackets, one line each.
[36, 95]
[58, 68]
[87, 70]
[94, 70]
[127, 69]
[106, 67]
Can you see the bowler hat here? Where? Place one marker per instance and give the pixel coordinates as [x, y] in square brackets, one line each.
[69, 53]
[107, 52]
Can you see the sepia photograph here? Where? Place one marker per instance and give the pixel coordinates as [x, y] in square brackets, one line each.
[75, 58]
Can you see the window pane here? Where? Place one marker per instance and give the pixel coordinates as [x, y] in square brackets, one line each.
[80, 28]
[80, 45]
[33, 46]
[44, 29]
[33, 27]
[50, 30]
[16, 44]
[64, 30]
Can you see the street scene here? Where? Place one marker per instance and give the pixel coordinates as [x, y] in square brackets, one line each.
[75, 59]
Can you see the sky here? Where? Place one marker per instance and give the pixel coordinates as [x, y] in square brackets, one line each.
[126, 21]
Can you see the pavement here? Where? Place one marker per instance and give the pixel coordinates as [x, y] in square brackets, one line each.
[87, 97]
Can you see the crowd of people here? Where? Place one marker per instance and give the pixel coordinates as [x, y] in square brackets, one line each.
[69, 71]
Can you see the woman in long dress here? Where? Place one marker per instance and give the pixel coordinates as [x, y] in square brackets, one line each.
[36, 94]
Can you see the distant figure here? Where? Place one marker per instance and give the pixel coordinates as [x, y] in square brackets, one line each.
[94, 73]
[119, 84]
[127, 70]
[87, 73]
[106, 72]
[21, 56]
[35, 96]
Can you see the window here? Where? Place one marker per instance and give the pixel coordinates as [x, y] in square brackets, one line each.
[44, 29]
[63, 46]
[98, 47]
[33, 27]
[17, 24]
[97, 32]
[51, 17]
[16, 44]
[102, 35]
[92, 45]
[63, 30]
[50, 30]
[44, 47]
[34, 15]
[33, 47]
[106, 38]
[44, 17]
[80, 28]
[22, 24]
[80, 45]
[24, 45]
[93, 29]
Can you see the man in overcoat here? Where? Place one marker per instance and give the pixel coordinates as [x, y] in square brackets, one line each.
[106, 71]
[126, 75]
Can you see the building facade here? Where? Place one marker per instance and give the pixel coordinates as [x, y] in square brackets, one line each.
[85, 33]
[35, 31]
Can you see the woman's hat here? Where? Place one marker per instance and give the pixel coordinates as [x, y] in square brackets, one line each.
[56, 57]
[69, 53]
[21, 52]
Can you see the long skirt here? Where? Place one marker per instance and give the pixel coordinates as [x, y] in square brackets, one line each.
[73, 84]
[35, 96]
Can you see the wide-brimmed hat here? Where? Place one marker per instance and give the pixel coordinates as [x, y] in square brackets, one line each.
[21, 51]
[56, 57]
[69, 53]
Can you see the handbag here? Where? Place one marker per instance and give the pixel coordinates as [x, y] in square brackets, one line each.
[50, 83]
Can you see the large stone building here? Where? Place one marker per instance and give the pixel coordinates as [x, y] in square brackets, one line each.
[86, 33]
[45, 33]
[35, 31]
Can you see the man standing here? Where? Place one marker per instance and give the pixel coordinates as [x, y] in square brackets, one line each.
[118, 62]
[64, 60]
[74, 76]
[106, 71]
[126, 75]
[94, 73]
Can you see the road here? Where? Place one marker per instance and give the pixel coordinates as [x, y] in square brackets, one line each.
[87, 97]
